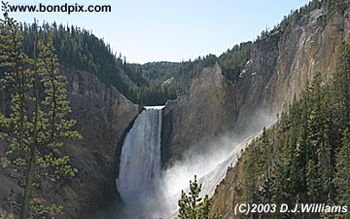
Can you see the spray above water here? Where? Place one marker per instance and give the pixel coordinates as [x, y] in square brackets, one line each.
[210, 167]
[149, 192]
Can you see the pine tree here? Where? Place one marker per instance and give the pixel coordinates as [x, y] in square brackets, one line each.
[313, 181]
[204, 211]
[318, 134]
[280, 187]
[38, 120]
[305, 140]
[189, 204]
[316, 116]
[342, 88]
[342, 176]
[267, 151]
[249, 178]
[16, 81]
[192, 206]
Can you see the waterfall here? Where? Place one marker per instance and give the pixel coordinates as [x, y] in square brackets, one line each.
[148, 191]
[139, 168]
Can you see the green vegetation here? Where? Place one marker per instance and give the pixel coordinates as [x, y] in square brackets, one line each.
[192, 206]
[305, 156]
[147, 84]
[233, 60]
[80, 50]
[144, 84]
[150, 83]
[328, 5]
[36, 122]
[168, 80]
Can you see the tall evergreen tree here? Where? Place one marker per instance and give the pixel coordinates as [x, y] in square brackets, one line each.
[16, 81]
[342, 87]
[192, 206]
[38, 120]
[249, 179]
[342, 177]
[313, 181]
[311, 150]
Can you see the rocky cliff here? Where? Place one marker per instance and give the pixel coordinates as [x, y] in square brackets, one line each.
[309, 44]
[193, 119]
[103, 115]
[279, 67]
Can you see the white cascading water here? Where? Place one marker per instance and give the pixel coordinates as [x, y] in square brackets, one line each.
[150, 192]
[139, 168]
[209, 170]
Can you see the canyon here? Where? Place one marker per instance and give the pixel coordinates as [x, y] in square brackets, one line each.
[213, 109]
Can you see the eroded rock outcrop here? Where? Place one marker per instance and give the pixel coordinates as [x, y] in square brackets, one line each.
[279, 67]
[193, 119]
[103, 115]
[308, 45]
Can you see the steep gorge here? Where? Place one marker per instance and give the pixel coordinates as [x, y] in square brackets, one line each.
[103, 114]
[280, 65]
[309, 45]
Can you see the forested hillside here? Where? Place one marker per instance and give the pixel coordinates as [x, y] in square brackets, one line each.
[43, 173]
[305, 156]
[150, 83]
[81, 50]
[147, 84]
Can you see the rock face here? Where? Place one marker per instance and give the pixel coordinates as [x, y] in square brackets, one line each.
[308, 45]
[203, 114]
[103, 116]
[279, 68]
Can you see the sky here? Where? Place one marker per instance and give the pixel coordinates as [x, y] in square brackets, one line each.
[170, 30]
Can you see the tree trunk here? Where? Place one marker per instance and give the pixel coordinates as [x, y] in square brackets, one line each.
[28, 188]
[31, 168]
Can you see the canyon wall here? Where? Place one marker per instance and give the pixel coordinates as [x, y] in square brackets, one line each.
[279, 67]
[308, 45]
[103, 115]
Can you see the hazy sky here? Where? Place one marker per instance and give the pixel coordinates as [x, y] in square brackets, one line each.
[171, 30]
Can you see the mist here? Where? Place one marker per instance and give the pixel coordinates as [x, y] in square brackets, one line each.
[209, 161]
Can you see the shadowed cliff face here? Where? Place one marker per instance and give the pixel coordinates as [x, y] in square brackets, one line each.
[279, 68]
[308, 45]
[103, 115]
[195, 118]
